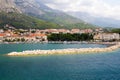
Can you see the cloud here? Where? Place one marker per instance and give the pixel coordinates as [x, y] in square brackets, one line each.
[97, 8]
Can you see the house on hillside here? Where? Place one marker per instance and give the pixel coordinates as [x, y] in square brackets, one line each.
[75, 31]
[1, 30]
[2, 35]
[49, 31]
[88, 31]
[64, 31]
[36, 37]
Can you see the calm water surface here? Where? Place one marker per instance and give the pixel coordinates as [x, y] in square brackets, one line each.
[103, 66]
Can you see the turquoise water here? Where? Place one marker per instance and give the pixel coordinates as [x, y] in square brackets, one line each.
[104, 66]
[6, 48]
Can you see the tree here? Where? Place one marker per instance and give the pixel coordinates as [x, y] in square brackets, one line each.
[22, 40]
[70, 37]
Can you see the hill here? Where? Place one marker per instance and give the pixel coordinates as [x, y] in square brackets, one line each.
[23, 21]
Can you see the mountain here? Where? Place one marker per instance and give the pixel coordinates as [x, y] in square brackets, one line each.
[100, 21]
[8, 6]
[39, 10]
[24, 21]
[33, 13]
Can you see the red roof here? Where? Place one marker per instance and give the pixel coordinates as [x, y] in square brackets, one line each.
[15, 35]
[34, 35]
[2, 35]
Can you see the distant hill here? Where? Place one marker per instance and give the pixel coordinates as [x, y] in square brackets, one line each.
[100, 21]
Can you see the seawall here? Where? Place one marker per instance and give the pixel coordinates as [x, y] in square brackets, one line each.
[65, 51]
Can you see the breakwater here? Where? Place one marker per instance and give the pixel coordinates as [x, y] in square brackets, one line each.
[65, 51]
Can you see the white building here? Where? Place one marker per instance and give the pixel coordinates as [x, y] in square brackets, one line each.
[1, 30]
[107, 36]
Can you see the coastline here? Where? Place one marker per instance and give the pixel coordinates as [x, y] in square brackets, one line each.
[66, 51]
[65, 42]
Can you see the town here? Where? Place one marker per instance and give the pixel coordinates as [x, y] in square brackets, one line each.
[10, 34]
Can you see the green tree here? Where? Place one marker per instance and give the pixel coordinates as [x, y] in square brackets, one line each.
[70, 37]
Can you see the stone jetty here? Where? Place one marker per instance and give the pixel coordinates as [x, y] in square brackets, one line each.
[65, 51]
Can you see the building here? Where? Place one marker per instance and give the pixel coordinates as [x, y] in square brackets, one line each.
[75, 31]
[38, 37]
[64, 31]
[49, 31]
[107, 36]
[88, 31]
[1, 30]
[99, 30]
[1, 36]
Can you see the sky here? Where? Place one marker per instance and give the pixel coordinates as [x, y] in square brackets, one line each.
[97, 8]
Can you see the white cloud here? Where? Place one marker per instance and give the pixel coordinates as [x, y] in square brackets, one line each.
[98, 8]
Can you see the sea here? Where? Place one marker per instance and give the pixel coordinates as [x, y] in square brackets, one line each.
[94, 66]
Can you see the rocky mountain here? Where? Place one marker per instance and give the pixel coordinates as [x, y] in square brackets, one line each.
[13, 15]
[39, 10]
[36, 9]
[29, 7]
[8, 6]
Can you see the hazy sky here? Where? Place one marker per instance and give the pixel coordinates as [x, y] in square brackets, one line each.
[101, 8]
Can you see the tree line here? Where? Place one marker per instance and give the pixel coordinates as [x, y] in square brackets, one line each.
[117, 30]
[70, 37]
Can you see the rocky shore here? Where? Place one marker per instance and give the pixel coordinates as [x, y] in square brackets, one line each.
[66, 51]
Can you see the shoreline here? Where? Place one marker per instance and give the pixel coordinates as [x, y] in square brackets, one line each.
[65, 51]
[64, 42]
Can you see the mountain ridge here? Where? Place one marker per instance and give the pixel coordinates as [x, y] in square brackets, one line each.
[42, 12]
